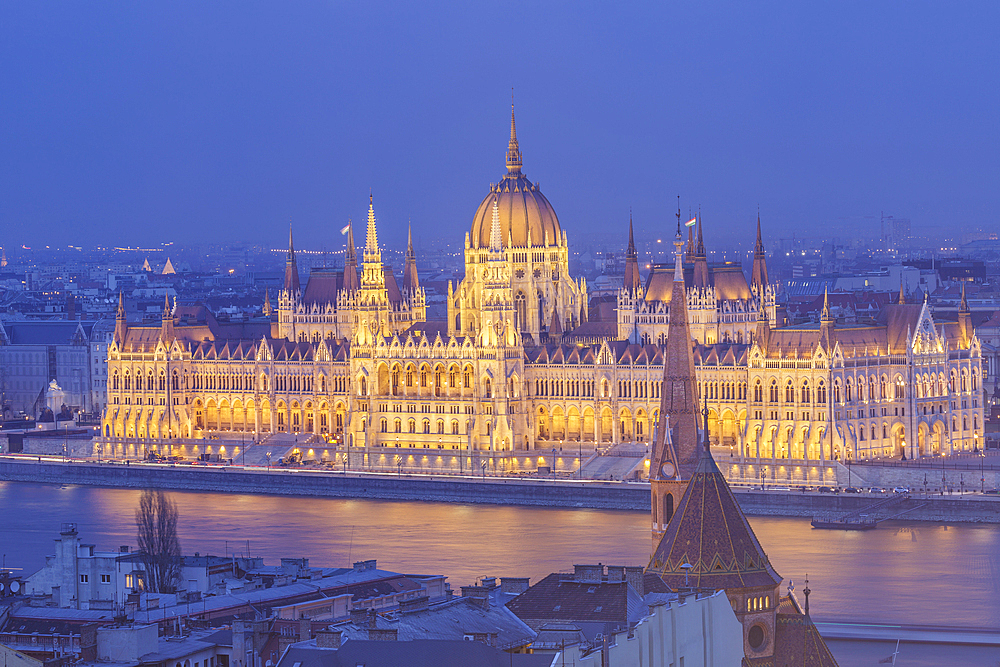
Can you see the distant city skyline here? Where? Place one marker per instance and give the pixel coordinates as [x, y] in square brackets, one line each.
[147, 124]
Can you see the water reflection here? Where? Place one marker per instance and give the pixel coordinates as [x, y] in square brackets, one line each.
[902, 573]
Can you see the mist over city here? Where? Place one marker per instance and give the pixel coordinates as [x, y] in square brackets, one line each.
[518, 334]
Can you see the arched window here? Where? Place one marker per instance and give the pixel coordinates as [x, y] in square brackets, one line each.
[789, 393]
[397, 426]
[383, 425]
[774, 391]
[175, 382]
[821, 393]
[364, 386]
[440, 425]
[423, 376]
[427, 426]
[467, 378]
[454, 427]
[412, 426]
[487, 388]
[806, 394]
[115, 381]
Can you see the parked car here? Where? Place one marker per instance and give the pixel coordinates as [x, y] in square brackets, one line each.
[901, 489]
[826, 489]
[852, 489]
[992, 492]
[876, 489]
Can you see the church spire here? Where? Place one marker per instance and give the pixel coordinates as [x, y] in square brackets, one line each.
[902, 293]
[513, 152]
[121, 322]
[291, 267]
[674, 455]
[824, 316]
[352, 251]
[963, 304]
[758, 275]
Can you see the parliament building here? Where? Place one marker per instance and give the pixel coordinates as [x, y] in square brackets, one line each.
[519, 366]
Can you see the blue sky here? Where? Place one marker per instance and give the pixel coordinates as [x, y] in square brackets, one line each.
[147, 122]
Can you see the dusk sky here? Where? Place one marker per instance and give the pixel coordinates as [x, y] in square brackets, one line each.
[142, 122]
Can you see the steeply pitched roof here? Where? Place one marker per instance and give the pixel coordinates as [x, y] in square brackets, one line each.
[559, 597]
[710, 531]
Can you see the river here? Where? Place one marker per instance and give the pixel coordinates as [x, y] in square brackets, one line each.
[907, 573]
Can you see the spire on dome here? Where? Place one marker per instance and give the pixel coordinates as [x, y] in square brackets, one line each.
[513, 152]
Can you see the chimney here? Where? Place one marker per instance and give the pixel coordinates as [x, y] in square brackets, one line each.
[305, 629]
[382, 635]
[414, 604]
[591, 573]
[363, 618]
[616, 575]
[514, 585]
[634, 576]
[479, 595]
[364, 565]
[328, 638]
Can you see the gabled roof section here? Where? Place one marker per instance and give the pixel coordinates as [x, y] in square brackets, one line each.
[322, 287]
[710, 531]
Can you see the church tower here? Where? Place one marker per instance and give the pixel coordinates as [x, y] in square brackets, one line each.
[675, 453]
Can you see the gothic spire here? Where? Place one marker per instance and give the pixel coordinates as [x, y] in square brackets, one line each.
[352, 252]
[758, 275]
[120, 315]
[902, 294]
[631, 261]
[825, 314]
[513, 152]
[963, 305]
[410, 281]
[291, 267]
[675, 454]
[409, 242]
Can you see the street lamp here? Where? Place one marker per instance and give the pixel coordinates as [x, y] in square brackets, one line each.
[982, 475]
[268, 455]
[761, 479]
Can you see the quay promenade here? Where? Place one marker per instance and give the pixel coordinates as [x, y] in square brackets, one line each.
[469, 489]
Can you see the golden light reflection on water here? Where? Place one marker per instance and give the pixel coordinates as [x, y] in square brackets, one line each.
[896, 573]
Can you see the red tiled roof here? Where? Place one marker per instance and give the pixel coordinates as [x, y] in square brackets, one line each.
[710, 532]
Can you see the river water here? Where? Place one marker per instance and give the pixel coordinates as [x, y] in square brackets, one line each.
[908, 573]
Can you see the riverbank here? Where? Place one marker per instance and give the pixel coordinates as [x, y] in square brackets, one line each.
[628, 496]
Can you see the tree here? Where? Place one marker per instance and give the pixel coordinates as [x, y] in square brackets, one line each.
[156, 524]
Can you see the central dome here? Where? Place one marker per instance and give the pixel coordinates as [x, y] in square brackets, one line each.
[521, 206]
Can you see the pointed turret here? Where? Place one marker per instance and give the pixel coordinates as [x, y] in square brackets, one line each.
[826, 322]
[513, 152]
[410, 282]
[758, 275]
[762, 332]
[689, 251]
[631, 261]
[291, 285]
[902, 292]
[496, 234]
[371, 237]
[267, 304]
[964, 320]
[167, 321]
[351, 280]
[121, 322]
[675, 449]
[701, 278]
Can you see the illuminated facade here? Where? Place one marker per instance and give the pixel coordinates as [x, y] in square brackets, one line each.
[351, 357]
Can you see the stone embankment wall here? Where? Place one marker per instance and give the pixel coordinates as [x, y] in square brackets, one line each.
[631, 496]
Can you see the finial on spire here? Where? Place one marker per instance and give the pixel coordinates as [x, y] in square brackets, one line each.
[806, 591]
[631, 239]
[678, 216]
